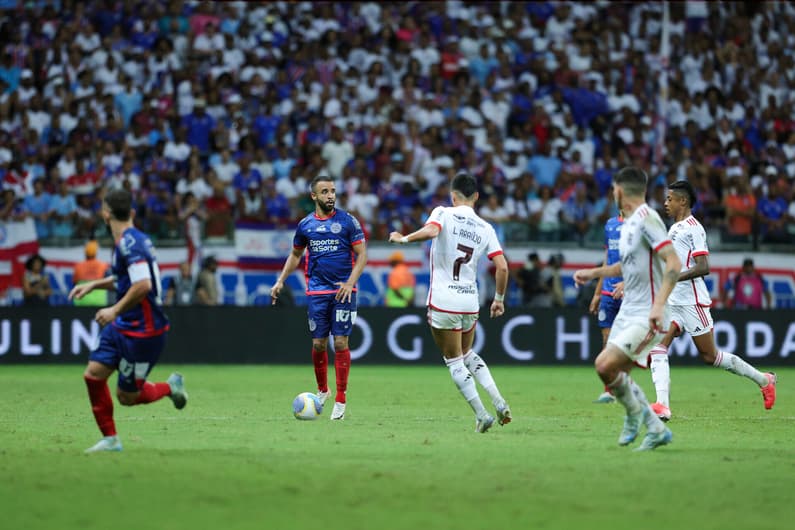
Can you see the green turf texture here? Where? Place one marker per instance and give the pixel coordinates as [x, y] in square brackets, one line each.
[406, 455]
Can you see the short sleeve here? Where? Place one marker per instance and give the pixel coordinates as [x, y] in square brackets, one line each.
[493, 247]
[299, 239]
[356, 232]
[436, 217]
[653, 230]
[134, 256]
[699, 242]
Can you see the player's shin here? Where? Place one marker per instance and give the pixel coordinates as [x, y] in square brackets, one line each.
[466, 384]
[661, 373]
[101, 405]
[151, 392]
[653, 422]
[621, 387]
[734, 364]
[478, 368]
[320, 361]
[342, 366]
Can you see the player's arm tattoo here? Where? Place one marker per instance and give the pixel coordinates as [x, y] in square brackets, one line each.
[701, 268]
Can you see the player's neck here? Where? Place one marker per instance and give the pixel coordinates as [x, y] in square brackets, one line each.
[117, 228]
[682, 216]
[630, 204]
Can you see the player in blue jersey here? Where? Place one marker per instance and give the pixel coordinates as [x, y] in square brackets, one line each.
[608, 293]
[135, 327]
[335, 258]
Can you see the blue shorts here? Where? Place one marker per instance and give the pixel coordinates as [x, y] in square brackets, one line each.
[328, 316]
[608, 309]
[134, 357]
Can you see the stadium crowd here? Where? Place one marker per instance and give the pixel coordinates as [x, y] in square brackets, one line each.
[223, 111]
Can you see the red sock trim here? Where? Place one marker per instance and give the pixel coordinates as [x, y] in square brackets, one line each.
[320, 360]
[151, 392]
[342, 366]
[101, 405]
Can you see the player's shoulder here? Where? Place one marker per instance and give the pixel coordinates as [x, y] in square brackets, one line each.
[306, 221]
[133, 240]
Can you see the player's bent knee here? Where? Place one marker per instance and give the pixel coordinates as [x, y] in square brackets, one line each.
[319, 346]
[340, 343]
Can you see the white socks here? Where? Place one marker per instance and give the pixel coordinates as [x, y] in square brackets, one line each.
[466, 384]
[653, 422]
[478, 367]
[622, 389]
[661, 373]
[732, 363]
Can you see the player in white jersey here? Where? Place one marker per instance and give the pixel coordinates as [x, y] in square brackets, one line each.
[460, 238]
[644, 249]
[690, 302]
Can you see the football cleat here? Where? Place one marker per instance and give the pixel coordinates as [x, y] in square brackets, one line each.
[662, 412]
[503, 413]
[178, 395]
[605, 397]
[323, 396]
[484, 423]
[769, 390]
[653, 440]
[108, 443]
[338, 412]
[631, 427]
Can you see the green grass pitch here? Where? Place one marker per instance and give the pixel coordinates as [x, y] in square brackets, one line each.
[405, 457]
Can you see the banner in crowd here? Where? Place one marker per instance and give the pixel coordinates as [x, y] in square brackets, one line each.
[381, 336]
[17, 242]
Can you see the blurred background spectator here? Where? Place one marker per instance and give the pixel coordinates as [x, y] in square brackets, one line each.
[748, 289]
[35, 282]
[90, 269]
[207, 283]
[400, 283]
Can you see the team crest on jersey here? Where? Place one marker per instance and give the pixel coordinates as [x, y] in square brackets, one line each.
[336, 228]
[312, 325]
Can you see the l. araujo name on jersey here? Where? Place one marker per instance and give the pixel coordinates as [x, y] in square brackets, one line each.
[329, 242]
[463, 238]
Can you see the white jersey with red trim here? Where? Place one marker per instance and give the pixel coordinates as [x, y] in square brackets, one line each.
[642, 235]
[463, 238]
[690, 241]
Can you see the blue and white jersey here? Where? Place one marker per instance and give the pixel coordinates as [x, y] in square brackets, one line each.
[612, 236]
[133, 260]
[329, 242]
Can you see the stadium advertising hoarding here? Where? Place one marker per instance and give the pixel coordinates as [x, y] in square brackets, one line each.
[381, 336]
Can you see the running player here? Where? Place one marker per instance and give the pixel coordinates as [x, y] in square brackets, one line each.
[644, 248]
[135, 327]
[690, 302]
[607, 296]
[460, 237]
[334, 240]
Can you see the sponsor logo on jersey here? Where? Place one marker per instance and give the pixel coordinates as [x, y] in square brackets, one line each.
[321, 228]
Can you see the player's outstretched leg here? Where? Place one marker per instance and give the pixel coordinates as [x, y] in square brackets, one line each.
[480, 370]
[466, 385]
[102, 408]
[621, 387]
[734, 364]
[658, 434]
[178, 395]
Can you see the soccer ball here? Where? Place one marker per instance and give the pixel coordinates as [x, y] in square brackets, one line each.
[307, 406]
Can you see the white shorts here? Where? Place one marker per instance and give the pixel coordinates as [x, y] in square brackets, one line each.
[452, 321]
[692, 319]
[633, 337]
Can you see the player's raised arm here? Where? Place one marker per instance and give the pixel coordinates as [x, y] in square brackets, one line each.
[583, 276]
[79, 291]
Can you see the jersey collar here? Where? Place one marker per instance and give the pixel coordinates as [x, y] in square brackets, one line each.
[332, 214]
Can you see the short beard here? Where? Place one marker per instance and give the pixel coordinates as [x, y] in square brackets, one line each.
[325, 208]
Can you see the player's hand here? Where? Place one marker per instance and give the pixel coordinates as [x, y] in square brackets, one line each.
[497, 309]
[395, 237]
[276, 288]
[344, 293]
[79, 291]
[618, 291]
[656, 319]
[594, 307]
[106, 315]
[583, 276]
